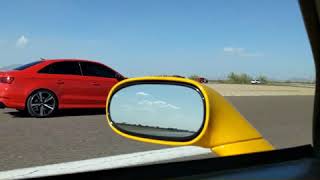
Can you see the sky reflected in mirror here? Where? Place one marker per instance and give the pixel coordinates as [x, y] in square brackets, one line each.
[160, 106]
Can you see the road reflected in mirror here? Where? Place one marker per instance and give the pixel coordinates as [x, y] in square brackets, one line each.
[163, 111]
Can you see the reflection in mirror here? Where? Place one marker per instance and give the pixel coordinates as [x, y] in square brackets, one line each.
[161, 111]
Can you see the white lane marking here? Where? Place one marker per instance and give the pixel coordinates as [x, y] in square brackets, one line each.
[109, 162]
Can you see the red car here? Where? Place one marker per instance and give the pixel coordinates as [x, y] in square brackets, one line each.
[42, 87]
[202, 80]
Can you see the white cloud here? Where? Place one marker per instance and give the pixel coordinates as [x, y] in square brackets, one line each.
[173, 106]
[240, 52]
[145, 102]
[233, 50]
[158, 104]
[22, 42]
[142, 94]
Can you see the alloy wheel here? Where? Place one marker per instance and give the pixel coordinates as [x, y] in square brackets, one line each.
[42, 104]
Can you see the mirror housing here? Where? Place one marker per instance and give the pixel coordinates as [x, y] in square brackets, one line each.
[224, 129]
[163, 111]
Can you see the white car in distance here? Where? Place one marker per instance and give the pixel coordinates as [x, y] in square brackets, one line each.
[255, 82]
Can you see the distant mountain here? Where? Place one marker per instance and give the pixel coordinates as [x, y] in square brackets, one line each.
[9, 67]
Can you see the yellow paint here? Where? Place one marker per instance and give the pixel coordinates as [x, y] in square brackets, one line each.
[225, 130]
[170, 79]
[245, 147]
[226, 124]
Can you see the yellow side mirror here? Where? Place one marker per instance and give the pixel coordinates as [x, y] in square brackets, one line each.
[177, 111]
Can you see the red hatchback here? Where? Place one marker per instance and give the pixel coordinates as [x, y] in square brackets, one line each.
[42, 87]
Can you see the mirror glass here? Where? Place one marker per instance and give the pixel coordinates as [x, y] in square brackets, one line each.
[159, 111]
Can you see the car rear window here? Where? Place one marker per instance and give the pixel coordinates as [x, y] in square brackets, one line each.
[67, 68]
[25, 66]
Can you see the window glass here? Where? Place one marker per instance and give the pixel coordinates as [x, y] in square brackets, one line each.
[94, 69]
[71, 68]
[25, 66]
[254, 53]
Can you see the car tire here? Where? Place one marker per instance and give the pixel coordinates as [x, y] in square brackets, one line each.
[42, 103]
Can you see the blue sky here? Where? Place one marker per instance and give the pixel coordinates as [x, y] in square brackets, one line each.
[150, 37]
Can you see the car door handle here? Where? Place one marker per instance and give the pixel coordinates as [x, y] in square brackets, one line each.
[60, 82]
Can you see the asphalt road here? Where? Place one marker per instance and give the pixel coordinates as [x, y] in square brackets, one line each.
[76, 135]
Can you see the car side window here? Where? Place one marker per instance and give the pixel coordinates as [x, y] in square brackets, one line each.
[69, 68]
[94, 69]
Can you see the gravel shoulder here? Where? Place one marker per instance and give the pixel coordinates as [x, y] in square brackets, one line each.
[261, 90]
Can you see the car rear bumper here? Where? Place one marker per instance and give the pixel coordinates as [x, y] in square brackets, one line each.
[11, 97]
[11, 103]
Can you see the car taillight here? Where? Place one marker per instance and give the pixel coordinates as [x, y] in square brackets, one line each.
[7, 79]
